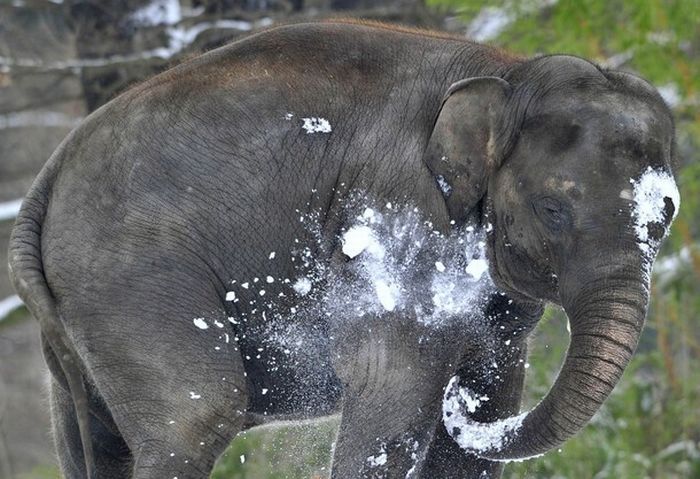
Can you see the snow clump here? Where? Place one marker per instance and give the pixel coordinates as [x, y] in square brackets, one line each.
[655, 192]
[475, 437]
[316, 125]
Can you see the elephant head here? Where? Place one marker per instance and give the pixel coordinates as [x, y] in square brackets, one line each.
[571, 165]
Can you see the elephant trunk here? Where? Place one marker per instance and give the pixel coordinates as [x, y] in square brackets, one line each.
[606, 321]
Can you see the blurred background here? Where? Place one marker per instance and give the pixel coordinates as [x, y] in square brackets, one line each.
[61, 59]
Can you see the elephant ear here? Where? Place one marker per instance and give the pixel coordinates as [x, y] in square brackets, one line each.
[462, 150]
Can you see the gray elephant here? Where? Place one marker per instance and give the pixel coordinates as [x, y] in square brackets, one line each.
[160, 234]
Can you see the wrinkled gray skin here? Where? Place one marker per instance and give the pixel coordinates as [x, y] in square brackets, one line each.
[150, 208]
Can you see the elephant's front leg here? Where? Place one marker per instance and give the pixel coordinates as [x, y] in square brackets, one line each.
[503, 389]
[394, 372]
[496, 371]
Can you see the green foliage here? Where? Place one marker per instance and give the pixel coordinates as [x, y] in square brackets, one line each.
[42, 472]
[14, 317]
[300, 451]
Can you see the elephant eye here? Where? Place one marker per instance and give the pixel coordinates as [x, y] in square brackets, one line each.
[553, 213]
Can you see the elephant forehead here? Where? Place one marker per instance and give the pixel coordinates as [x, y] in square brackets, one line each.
[622, 126]
[565, 185]
[624, 112]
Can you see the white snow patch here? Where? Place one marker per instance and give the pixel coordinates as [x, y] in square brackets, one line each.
[671, 94]
[440, 266]
[316, 125]
[472, 436]
[444, 185]
[272, 255]
[38, 118]
[158, 12]
[231, 296]
[269, 279]
[492, 21]
[651, 192]
[178, 39]
[356, 240]
[10, 209]
[377, 460]
[387, 294]
[194, 395]
[302, 286]
[200, 323]
[476, 268]
[489, 23]
[8, 305]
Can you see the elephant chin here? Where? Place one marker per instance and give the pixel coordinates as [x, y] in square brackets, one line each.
[605, 328]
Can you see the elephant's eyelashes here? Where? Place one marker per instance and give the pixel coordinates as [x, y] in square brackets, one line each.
[553, 213]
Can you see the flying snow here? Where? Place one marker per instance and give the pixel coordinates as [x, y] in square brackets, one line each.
[393, 260]
[390, 253]
[356, 240]
[477, 268]
[200, 323]
[302, 286]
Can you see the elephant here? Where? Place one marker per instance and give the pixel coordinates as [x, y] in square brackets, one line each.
[150, 241]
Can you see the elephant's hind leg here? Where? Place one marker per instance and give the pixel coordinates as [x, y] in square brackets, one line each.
[181, 408]
[171, 375]
[112, 456]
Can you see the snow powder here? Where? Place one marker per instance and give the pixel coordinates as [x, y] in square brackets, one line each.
[316, 125]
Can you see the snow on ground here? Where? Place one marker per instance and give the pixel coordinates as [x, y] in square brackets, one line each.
[179, 38]
[10, 209]
[158, 12]
[37, 118]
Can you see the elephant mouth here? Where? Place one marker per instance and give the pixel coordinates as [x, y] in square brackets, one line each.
[544, 285]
